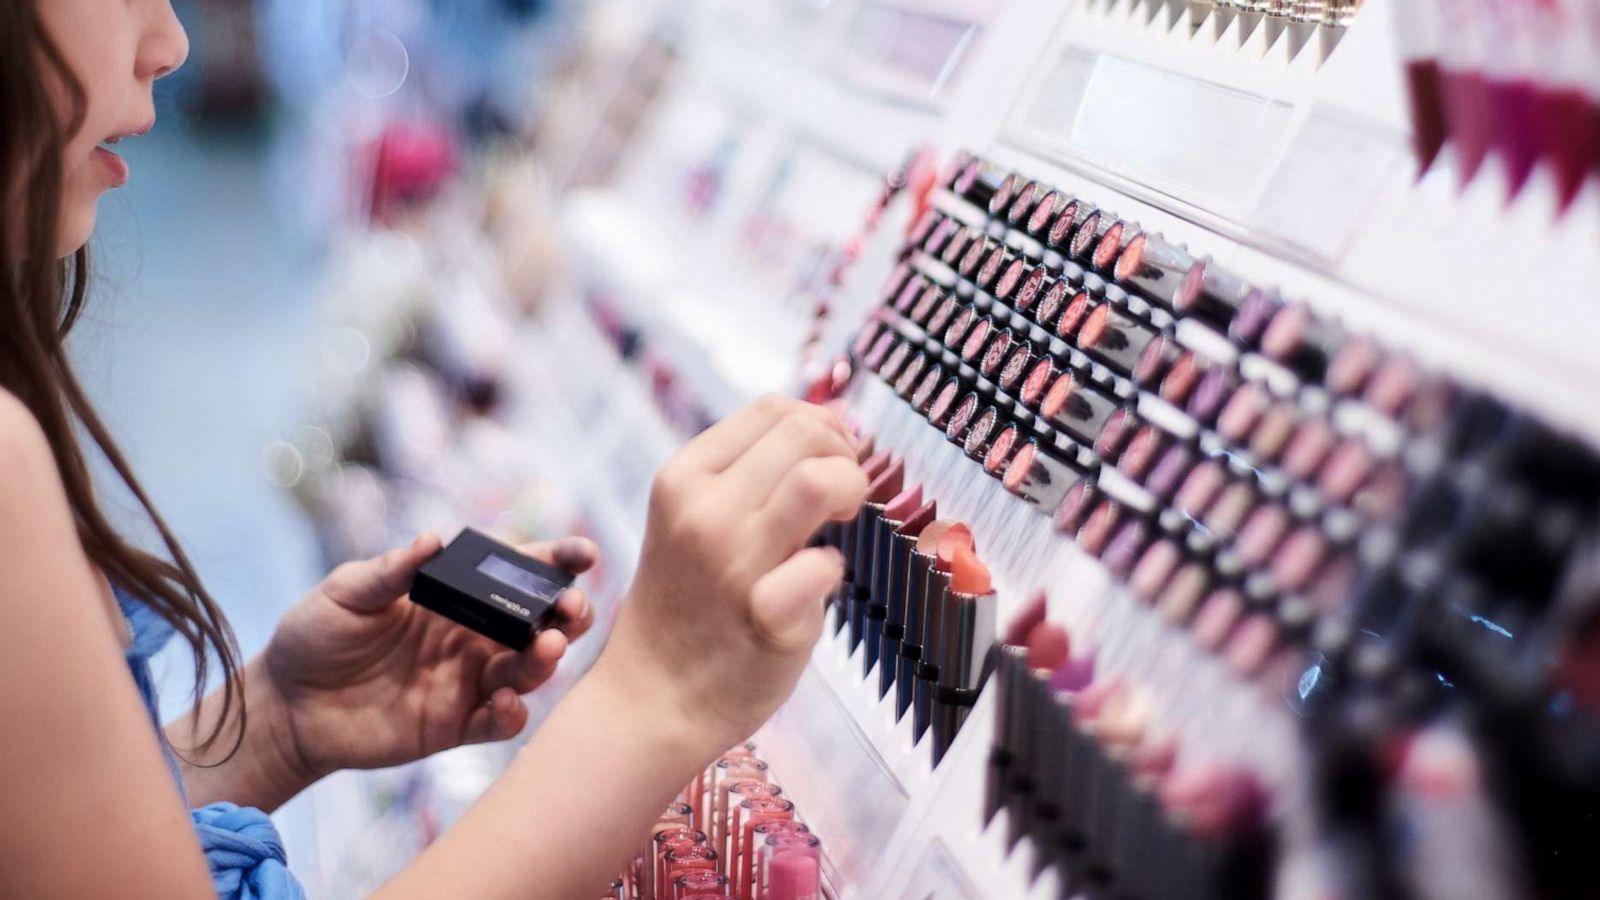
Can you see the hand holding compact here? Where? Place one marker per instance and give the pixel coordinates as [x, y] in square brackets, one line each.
[368, 680]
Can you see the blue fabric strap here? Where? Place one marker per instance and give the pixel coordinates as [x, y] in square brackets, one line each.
[245, 854]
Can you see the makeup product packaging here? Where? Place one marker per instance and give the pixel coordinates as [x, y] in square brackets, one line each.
[490, 588]
[967, 631]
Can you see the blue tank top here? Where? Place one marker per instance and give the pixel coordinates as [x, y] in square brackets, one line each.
[241, 845]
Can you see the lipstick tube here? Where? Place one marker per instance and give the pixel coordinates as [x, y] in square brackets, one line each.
[849, 533]
[977, 182]
[1210, 294]
[922, 577]
[895, 568]
[1009, 662]
[1072, 404]
[1089, 234]
[1068, 222]
[1040, 477]
[1115, 338]
[968, 628]
[1153, 268]
[883, 488]
[926, 683]
[1029, 751]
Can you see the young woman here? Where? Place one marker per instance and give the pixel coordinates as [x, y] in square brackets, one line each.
[714, 633]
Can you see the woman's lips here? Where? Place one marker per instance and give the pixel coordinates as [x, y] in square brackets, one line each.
[114, 166]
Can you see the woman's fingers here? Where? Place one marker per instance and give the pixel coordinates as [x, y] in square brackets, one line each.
[574, 613]
[573, 555]
[814, 491]
[803, 435]
[371, 585]
[523, 671]
[496, 719]
[786, 603]
[716, 448]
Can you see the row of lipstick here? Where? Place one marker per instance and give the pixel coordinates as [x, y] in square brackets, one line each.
[1252, 604]
[1086, 772]
[917, 599]
[1199, 492]
[1269, 432]
[1515, 79]
[1071, 272]
[731, 833]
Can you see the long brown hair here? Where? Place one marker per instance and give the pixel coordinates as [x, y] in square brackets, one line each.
[40, 298]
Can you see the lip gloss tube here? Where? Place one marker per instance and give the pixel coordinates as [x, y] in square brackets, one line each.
[618, 890]
[968, 627]
[741, 862]
[753, 886]
[664, 842]
[700, 883]
[902, 575]
[791, 868]
[726, 836]
[698, 858]
[881, 490]
[728, 774]
[677, 815]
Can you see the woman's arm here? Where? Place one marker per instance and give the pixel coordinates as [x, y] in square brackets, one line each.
[266, 770]
[717, 628]
[90, 809]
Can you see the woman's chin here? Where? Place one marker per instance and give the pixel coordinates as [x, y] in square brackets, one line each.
[76, 226]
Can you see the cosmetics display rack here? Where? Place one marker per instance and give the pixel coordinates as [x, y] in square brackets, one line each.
[1306, 185]
[1269, 443]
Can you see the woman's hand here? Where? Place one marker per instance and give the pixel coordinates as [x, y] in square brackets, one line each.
[718, 625]
[727, 602]
[371, 681]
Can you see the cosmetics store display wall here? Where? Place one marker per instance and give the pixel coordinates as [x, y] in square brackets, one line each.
[1223, 371]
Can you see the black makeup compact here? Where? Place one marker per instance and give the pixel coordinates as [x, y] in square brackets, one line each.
[490, 588]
